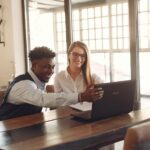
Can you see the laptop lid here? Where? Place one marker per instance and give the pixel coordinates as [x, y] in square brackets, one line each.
[118, 99]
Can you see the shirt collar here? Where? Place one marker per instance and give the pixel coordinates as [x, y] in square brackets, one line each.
[39, 84]
[67, 73]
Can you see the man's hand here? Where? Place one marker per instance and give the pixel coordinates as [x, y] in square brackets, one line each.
[50, 88]
[91, 94]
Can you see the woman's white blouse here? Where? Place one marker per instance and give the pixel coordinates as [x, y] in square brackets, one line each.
[64, 83]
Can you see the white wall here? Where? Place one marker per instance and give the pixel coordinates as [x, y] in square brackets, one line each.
[12, 54]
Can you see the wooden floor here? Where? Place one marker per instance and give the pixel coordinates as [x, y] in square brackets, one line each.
[145, 102]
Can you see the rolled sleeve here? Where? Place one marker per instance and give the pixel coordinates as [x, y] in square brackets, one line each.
[27, 92]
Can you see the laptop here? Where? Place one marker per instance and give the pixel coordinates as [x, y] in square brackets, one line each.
[118, 99]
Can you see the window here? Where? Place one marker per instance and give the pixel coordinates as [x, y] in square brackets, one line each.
[144, 44]
[103, 26]
[105, 29]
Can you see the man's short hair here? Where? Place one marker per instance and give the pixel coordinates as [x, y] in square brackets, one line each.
[40, 53]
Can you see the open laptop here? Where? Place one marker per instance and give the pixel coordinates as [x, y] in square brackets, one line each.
[118, 99]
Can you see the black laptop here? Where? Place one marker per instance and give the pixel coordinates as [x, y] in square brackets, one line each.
[118, 99]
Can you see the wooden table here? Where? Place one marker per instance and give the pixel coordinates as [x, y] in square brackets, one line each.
[57, 130]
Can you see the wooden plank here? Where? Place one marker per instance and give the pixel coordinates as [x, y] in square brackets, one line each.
[34, 119]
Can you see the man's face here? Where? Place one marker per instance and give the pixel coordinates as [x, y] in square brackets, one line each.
[43, 68]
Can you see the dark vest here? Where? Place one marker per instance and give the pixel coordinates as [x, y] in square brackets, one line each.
[8, 110]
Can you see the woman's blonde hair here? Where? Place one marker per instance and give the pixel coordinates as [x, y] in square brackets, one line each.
[86, 66]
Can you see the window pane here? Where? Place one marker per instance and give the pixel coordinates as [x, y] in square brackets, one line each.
[143, 42]
[106, 44]
[144, 72]
[98, 33]
[97, 12]
[84, 13]
[106, 33]
[97, 23]
[63, 26]
[125, 8]
[85, 34]
[105, 11]
[63, 16]
[91, 34]
[114, 44]
[59, 36]
[114, 21]
[119, 8]
[126, 43]
[84, 24]
[144, 30]
[98, 44]
[76, 25]
[59, 27]
[120, 43]
[100, 63]
[105, 22]
[121, 66]
[143, 18]
[58, 17]
[114, 32]
[75, 15]
[91, 23]
[126, 32]
[90, 13]
[92, 44]
[76, 36]
[62, 62]
[125, 20]
[119, 32]
[64, 37]
[143, 5]
[40, 33]
[113, 9]
[119, 20]
[60, 45]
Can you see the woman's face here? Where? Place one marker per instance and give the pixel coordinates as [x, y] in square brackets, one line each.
[77, 57]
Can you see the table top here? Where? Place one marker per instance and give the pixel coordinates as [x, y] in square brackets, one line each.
[58, 130]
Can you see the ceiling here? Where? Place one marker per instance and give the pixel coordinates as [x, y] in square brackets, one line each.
[48, 4]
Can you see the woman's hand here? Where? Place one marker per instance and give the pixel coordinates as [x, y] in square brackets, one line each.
[91, 94]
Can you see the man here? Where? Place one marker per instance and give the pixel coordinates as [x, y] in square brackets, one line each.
[26, 95]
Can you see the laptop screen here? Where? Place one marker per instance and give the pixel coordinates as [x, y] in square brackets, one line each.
[118, 99]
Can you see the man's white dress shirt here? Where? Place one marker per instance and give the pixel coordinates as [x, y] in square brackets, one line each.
[27, 91]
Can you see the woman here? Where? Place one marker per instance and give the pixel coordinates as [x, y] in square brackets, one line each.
[77, 77]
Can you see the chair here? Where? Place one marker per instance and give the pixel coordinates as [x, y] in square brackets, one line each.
[138, 137]
[2, 93]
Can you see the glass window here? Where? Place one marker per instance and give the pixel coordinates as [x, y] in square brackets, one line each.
[101, 65]
[144, 44]
[121, 71]
[103, 27]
